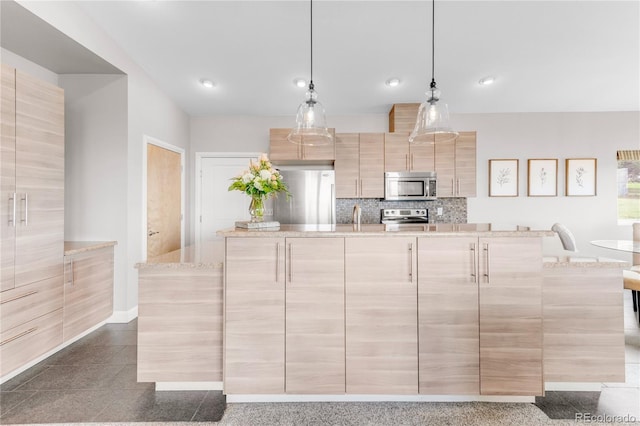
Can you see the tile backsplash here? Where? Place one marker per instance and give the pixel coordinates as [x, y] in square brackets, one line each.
[454, 210]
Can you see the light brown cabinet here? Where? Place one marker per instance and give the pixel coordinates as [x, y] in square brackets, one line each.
[254, 316]
[402, 117]
[455, 165]
[401, 156]
[88, 290]
[381, 318]
[32, 216]
[484, 293]
[180, 324]
[315, 361]
[281, 151]
[448, 327]
[257, 303]
[359, 165]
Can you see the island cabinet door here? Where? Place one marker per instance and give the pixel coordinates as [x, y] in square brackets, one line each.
[510, 316]
[381, 316]
[315, 316]
[448, 328]
[254, 316]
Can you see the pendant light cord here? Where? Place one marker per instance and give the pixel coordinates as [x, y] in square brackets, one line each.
[433, 42]
[311, 38]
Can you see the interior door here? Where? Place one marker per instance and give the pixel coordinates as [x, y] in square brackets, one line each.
[164, 200]
[219, 207]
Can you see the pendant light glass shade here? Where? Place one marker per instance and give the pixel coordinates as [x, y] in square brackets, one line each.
[432, 122]
[311, 122]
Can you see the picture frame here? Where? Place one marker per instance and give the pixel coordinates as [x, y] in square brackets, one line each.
[581, 177]
[542, 177]
[503, 177]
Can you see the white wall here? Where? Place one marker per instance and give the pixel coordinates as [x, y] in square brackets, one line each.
[150, 112]
[7, 57]
[95, 176]
[522, 136]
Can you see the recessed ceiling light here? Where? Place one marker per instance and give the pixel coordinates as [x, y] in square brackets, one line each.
[207, 83]
[487, 81]
[392, 82]
[300, 82]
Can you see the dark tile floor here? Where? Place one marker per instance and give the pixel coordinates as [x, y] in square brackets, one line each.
[94, 380]
[614, 399]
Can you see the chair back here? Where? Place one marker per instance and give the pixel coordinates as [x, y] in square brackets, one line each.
[566, 237]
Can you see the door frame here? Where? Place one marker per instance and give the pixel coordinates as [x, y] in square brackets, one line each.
[198, 181]
[146, 141]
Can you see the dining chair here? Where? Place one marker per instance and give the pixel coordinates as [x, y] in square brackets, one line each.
[566, 237]
[631, 277]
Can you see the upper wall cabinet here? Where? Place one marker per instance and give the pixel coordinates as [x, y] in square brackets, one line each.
[401, 156]
[282, 151]
[359, 165]
[402, 118]
[32, 179]
[455, 165]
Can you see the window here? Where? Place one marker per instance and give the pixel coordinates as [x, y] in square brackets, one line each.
[629, 185]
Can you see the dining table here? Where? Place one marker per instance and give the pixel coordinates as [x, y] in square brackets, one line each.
[629, 246]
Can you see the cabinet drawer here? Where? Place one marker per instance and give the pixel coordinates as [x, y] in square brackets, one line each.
[28, 302]
[26, 342]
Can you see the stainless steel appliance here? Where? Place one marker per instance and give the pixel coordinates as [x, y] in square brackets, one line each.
[399, 216]
[410, 186]
[312, 200]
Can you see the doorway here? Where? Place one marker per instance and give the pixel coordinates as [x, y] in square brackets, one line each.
[217, 207]
[164, 207]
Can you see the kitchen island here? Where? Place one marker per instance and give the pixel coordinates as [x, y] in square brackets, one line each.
[337, 312]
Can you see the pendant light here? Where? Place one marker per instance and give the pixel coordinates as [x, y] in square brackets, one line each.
[311, 123]
[432, 123]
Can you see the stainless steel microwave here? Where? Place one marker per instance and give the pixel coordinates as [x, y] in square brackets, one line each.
[410, 186]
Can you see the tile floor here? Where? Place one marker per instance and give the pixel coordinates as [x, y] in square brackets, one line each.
[94, 380]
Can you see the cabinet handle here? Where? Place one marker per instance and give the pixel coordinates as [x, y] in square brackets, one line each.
[356, 187]
[411, 263]
[411, 161]
[12, 213]
[361, 187]
[17, 336]
[457, 186]
[30, 293]
[452, 187]
[406, 161]
[486, 261]
[277, 261]
[26, 209]
[474, 276]
[70, 282]
[290, 264]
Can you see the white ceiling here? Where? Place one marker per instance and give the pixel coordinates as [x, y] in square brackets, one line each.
[546, 55]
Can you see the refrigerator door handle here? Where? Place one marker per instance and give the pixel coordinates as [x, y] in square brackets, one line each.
[332, 205]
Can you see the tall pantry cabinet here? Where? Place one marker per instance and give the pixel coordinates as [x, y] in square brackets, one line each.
[32, 218]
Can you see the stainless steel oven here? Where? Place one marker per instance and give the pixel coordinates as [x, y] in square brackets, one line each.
[410, 186]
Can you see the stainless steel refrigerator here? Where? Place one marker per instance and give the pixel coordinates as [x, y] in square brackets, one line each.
[313, 198]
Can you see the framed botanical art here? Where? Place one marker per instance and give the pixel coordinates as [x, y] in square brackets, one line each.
[542, 177]
[581, 177]
[503, 178]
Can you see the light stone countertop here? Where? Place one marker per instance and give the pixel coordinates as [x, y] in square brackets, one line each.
[206, 255]
[376, 230]
[75, 247]
[582, 262]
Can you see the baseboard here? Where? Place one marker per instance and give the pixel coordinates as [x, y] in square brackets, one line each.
[124, 316]
[573, 386]
[181, 386]
[377, 398]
